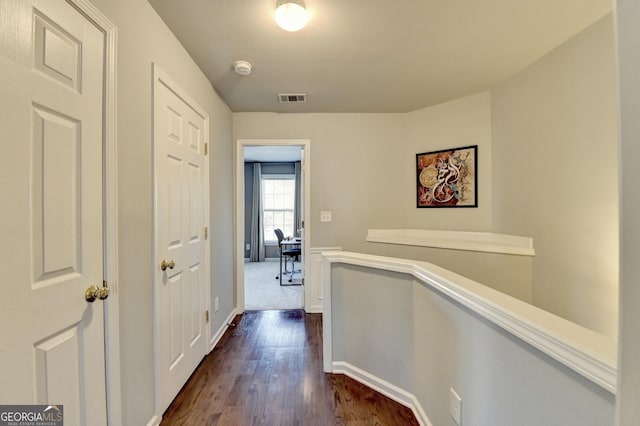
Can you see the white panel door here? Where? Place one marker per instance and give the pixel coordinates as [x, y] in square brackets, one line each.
[180, 134]
[51, 104]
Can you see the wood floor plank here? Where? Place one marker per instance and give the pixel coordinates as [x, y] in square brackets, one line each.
[267, 370]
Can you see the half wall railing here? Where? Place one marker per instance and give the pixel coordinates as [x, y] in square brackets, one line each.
[417, 332]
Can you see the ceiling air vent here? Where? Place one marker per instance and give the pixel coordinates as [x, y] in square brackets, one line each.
[292, 98]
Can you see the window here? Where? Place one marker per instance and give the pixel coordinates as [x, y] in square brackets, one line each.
[278, 201]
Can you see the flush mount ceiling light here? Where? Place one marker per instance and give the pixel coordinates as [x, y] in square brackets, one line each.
[291, 15]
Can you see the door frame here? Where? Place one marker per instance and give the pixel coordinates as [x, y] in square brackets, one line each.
[110, 208]
[239, 195]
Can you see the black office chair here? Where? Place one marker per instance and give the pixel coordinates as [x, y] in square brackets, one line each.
[289, 253]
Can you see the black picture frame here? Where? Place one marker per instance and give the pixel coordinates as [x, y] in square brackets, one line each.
[447, 178]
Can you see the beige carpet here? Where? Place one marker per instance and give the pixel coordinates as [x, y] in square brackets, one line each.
[262, 290]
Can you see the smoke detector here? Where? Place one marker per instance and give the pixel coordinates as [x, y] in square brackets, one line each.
[242, 67]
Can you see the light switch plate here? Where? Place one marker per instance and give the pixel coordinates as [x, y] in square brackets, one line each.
[325, 216]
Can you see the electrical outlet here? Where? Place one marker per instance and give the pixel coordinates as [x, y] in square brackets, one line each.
[248, 247]
[455, 406]
[216, 305]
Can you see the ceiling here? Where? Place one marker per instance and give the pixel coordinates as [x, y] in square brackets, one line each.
[370, 55]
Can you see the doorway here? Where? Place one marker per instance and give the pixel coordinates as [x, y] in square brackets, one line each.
[273, 168]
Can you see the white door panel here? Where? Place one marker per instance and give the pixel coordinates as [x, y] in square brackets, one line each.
[180, 134]
[51, 112]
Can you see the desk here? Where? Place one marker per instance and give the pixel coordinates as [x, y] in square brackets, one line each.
[288, 245]
[292, 242]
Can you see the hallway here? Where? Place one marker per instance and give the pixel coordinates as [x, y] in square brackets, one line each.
[267, 370]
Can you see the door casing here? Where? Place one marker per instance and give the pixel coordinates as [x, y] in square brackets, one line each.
[110, 206]
[305, 144]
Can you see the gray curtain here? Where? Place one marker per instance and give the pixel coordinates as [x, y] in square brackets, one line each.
[256, 254]
[297, 211]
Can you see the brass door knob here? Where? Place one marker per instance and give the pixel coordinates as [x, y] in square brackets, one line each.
[167, 264]
[92, 293]
[103, 293]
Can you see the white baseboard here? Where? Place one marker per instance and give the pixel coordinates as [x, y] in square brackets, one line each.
[387, 389]
[155, 421]
[216, 338]
[314, 309]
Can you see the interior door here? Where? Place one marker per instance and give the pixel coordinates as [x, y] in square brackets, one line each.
[51, 225]
[180, 135]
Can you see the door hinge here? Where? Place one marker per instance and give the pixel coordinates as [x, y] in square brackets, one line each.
[206, 148]
[206, 315]
[303, 281]
[206, 232]
[302, 224]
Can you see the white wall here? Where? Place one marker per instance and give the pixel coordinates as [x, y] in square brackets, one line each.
[461, 122]
[144, 39]
[364, 171]
[355, 168]
[364, 164]
[627, 19]
[555, 175]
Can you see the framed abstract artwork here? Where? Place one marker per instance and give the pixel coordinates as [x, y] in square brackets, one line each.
[447, 178]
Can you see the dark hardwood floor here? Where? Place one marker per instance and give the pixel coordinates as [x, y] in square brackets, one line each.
[267, 370]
